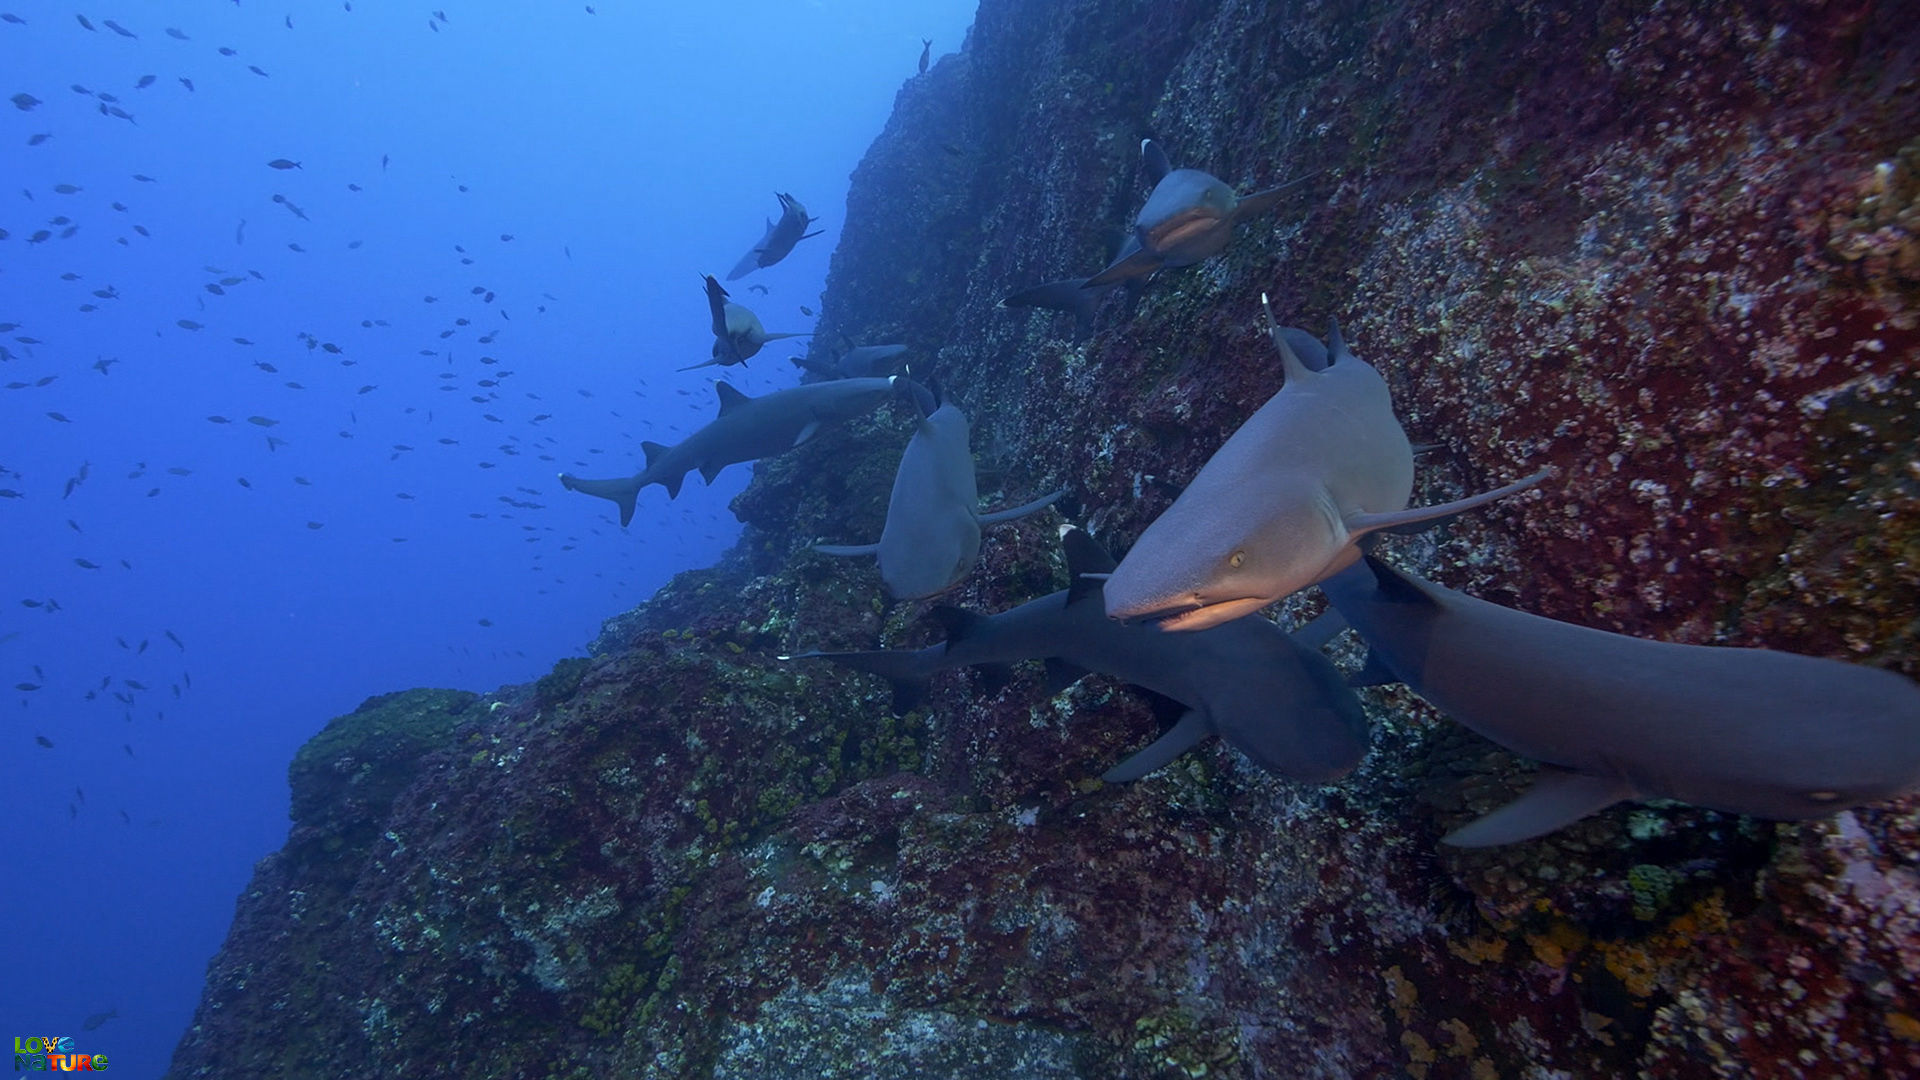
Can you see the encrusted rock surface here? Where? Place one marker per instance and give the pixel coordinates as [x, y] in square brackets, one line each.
[1667, 249]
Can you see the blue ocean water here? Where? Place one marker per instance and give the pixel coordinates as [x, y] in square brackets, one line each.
[278, 439]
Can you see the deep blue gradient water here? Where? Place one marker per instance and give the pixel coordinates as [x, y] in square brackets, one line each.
[506, 213]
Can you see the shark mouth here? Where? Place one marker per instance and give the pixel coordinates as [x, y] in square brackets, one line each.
[1196, 614]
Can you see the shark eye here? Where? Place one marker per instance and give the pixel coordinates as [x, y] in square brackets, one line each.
[1236, 559]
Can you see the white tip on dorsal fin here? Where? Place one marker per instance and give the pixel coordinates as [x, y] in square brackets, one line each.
[1290, 363]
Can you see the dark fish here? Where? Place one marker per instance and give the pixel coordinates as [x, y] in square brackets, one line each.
[219, 420]
[85, 564]
[187, 324]
[282, 163]
[24, 101]
[118, 29]
[26, 687]
[177, 34]
[36, 140]
[94, 1021]
[256, 70]
[67, 189]
[143, 178]
[61, 417]
[85, 23]
[261, 421]
[145, 81]
[186, 82]
[42, 739]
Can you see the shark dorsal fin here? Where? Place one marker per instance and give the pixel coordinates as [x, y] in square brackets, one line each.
[1085, 555]
[730, 398]
[1294, 368]
[1155, 161]
[1336, 345]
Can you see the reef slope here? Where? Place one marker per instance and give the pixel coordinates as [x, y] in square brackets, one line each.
[1673, 254]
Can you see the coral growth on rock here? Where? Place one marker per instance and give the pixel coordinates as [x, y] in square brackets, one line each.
[1666, 249]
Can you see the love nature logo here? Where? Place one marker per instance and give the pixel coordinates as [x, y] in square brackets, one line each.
[53, 1053]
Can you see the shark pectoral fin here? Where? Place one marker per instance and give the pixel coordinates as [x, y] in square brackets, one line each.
[847, 549]
[1061, 674]
[622, 491]
[808, 432]
[1139, 264]
[1557, 798]
[1420, 518]
[1322, 628]
[1182, 737]
[711, 470]
[811, 235]
[703, 363]
[1257, 203]
[1018, 512]
[1374, 672]
[908, 671]
[777, 337]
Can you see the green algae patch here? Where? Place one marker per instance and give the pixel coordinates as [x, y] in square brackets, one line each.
[359, 762]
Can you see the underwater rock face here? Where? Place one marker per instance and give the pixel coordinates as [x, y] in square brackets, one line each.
[1668, 252]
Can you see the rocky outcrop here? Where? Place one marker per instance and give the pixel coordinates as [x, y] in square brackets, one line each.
[1668, 250]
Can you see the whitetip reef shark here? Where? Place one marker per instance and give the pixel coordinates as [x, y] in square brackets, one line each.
[1189, 217]
[1614, 718]
[1285, 500]
[932, 534]
[737, 333]
[778, 241]
[747, 428]
[1275, 699]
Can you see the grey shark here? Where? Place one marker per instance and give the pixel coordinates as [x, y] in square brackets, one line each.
[737, 333]
[1283, 503]
[1189, 216]
[746, 429]
[932, 535]
[1614, 718]
[1277, 701]
[779, 239]
[858, 362]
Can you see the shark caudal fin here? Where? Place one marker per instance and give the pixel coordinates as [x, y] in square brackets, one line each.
[910, 671]
[622, 491]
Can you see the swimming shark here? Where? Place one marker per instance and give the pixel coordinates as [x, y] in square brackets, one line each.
[1283, 503]
[737, 333]
[1614, 718]
[932, 534]
[1277, 701]
[1189, 216]
[746, 429]
[1068, 295]
[859, 361]
[779, 239]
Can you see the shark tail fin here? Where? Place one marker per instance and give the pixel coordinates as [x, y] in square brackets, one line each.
[910, 671]
[622, 491]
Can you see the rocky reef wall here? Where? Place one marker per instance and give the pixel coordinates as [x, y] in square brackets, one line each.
[1670, 250]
